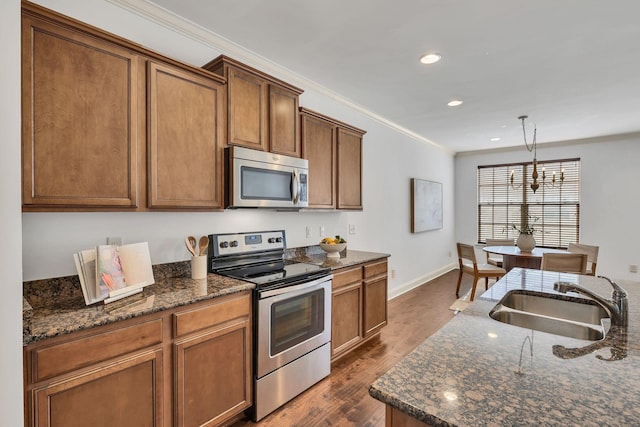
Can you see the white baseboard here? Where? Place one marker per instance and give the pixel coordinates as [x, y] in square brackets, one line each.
[399, 290]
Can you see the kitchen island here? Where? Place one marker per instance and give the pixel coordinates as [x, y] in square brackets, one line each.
[476, 371]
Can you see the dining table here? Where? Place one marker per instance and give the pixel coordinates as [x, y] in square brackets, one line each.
[512, 256]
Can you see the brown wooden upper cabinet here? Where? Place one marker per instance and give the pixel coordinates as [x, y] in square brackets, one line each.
[185, 139]
[262, 111]
[334, 152]
[80, 112]
[109, 125]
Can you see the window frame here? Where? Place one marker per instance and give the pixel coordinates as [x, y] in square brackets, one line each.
[517, 202]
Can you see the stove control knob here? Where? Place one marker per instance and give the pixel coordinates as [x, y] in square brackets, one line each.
[224, 244]
[271, 240]
[234, 244]
[279, 239]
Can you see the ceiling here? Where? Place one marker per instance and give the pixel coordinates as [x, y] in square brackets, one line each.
[572, 66]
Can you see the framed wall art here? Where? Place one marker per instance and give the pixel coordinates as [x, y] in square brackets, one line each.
[426, 205]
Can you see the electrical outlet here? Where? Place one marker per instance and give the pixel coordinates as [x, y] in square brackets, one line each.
[449, 254]
[352, 229]
[309, 231]
[322, 231]
[633, 268]
[393, 274]
[114, 241]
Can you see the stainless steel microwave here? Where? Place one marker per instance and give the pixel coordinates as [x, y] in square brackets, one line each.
[258, 179]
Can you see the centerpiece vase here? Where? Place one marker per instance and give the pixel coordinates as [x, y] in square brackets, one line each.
[526, 242]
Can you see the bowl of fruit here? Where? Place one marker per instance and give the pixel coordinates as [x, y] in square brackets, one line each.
[333, 246]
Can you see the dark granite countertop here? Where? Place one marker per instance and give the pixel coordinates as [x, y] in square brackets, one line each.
[466, 374]
[55, 307]
[348, 258]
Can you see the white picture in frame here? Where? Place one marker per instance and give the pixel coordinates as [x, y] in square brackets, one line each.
[426, 205]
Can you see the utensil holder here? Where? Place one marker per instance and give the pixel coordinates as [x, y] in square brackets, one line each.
[201, 287]
[199, 267]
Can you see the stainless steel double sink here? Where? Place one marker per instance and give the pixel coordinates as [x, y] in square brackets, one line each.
[576, 318]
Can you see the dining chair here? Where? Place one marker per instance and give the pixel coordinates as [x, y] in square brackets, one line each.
[495, 259]
[592, 255]
[564, 262]
[469, 264]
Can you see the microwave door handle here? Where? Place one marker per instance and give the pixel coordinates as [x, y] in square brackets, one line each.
[295, 186]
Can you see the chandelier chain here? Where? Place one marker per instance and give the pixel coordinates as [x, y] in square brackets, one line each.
[524, 133]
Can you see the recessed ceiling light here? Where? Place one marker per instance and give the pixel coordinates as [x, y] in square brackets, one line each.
[495, 139]
[454, 103]
[430, 58]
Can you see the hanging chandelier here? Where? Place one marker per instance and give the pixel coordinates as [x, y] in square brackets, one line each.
[532, 148]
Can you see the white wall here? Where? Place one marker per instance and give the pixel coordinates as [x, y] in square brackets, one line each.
[609, 196]
[390, 159]
[10, 255]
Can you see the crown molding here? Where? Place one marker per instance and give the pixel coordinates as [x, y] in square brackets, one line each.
[193, 31]
[603, 139]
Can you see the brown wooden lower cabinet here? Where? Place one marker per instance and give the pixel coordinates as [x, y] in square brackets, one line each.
[358, 306]
[375, 305]
[396, 418]
[189, 366]
[346, 318]
[127, 392]
[212, 375]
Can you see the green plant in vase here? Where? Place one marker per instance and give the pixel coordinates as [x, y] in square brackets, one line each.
[526, 242]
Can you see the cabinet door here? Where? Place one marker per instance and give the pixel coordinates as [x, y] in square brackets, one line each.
[127, 393]
[284, 134]
[346, 318]
[375, 297]
[319, 148]
[213, 375]
[247, 110]
[349, 170]
[375, 305]
[80, 107]
[185, 139]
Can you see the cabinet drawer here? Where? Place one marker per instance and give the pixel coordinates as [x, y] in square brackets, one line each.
[346, 277]
[375, 269]
[65, 357]
[227, 308]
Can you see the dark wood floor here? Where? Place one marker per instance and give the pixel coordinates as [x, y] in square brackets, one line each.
[342, 399]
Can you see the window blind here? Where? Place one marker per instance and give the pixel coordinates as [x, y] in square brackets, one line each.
[553, 210]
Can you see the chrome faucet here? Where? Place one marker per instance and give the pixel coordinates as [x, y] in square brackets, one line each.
[616, 340]
[617, 307]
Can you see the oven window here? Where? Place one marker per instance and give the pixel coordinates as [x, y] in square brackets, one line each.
[265, 184]
[295, 320]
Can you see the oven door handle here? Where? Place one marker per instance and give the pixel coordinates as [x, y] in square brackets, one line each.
[307, 284]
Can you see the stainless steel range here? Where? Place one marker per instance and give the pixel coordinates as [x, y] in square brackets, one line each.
[292, 314]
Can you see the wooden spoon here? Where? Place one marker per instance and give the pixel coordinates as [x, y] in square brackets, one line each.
[190, 241]
[204, 244]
